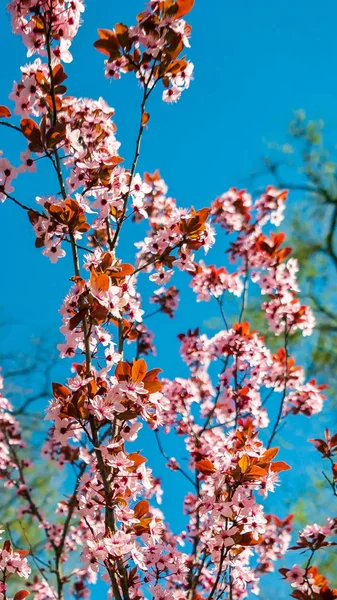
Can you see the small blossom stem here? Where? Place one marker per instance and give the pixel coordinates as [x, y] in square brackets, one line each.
[284, 394]
[245, 288]
[223, 555]
[166, 456]
[146, 94]
[11, 126]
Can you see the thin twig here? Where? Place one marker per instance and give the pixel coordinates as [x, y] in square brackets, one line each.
[286, 375]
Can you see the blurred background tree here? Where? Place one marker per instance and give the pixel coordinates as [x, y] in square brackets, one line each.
[27, 378]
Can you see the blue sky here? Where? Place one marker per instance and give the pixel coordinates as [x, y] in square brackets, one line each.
[255, 62]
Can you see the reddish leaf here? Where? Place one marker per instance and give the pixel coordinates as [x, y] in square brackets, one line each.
[279, 466]
[102, 282]
[21, 595]
[283, 571]
[60, 391]
[176, 66]
[137, 459]
[30, 129]
[320, 445]
[56, 211]
[127, 415]
[50, 102]
[5, 112]
[143, 526]
[59, 75]
[334, 471]
[145, 118]
[247, 539]
[256, 471]
[122, 33]
[33, 217]
[127, 331]
[108, 43]
[121, 29]
[269, 455]
[39, 242]
[152, 374]
[166, 82]
[76, 319]
[138, 370]
[141, 509]
[105, 34]
[299, 595]
[205, 466]
[32, 132]
[123, 371]
[104, 46]
[60, 89]
[244, 463]
[41, 80]
[153, 386]
[55, 135]
[123, 271]
[114, 161]
[184, 7]
[278, 238]
[106, 261]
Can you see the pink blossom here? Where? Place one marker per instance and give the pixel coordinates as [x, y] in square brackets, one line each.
[295, 576]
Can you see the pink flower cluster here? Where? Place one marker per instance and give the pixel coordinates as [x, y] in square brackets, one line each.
[12, 563]
[40, 20]
[210, 281]
[262, 256]
[151, 49]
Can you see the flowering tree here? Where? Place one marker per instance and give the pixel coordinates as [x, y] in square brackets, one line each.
[110, 526]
